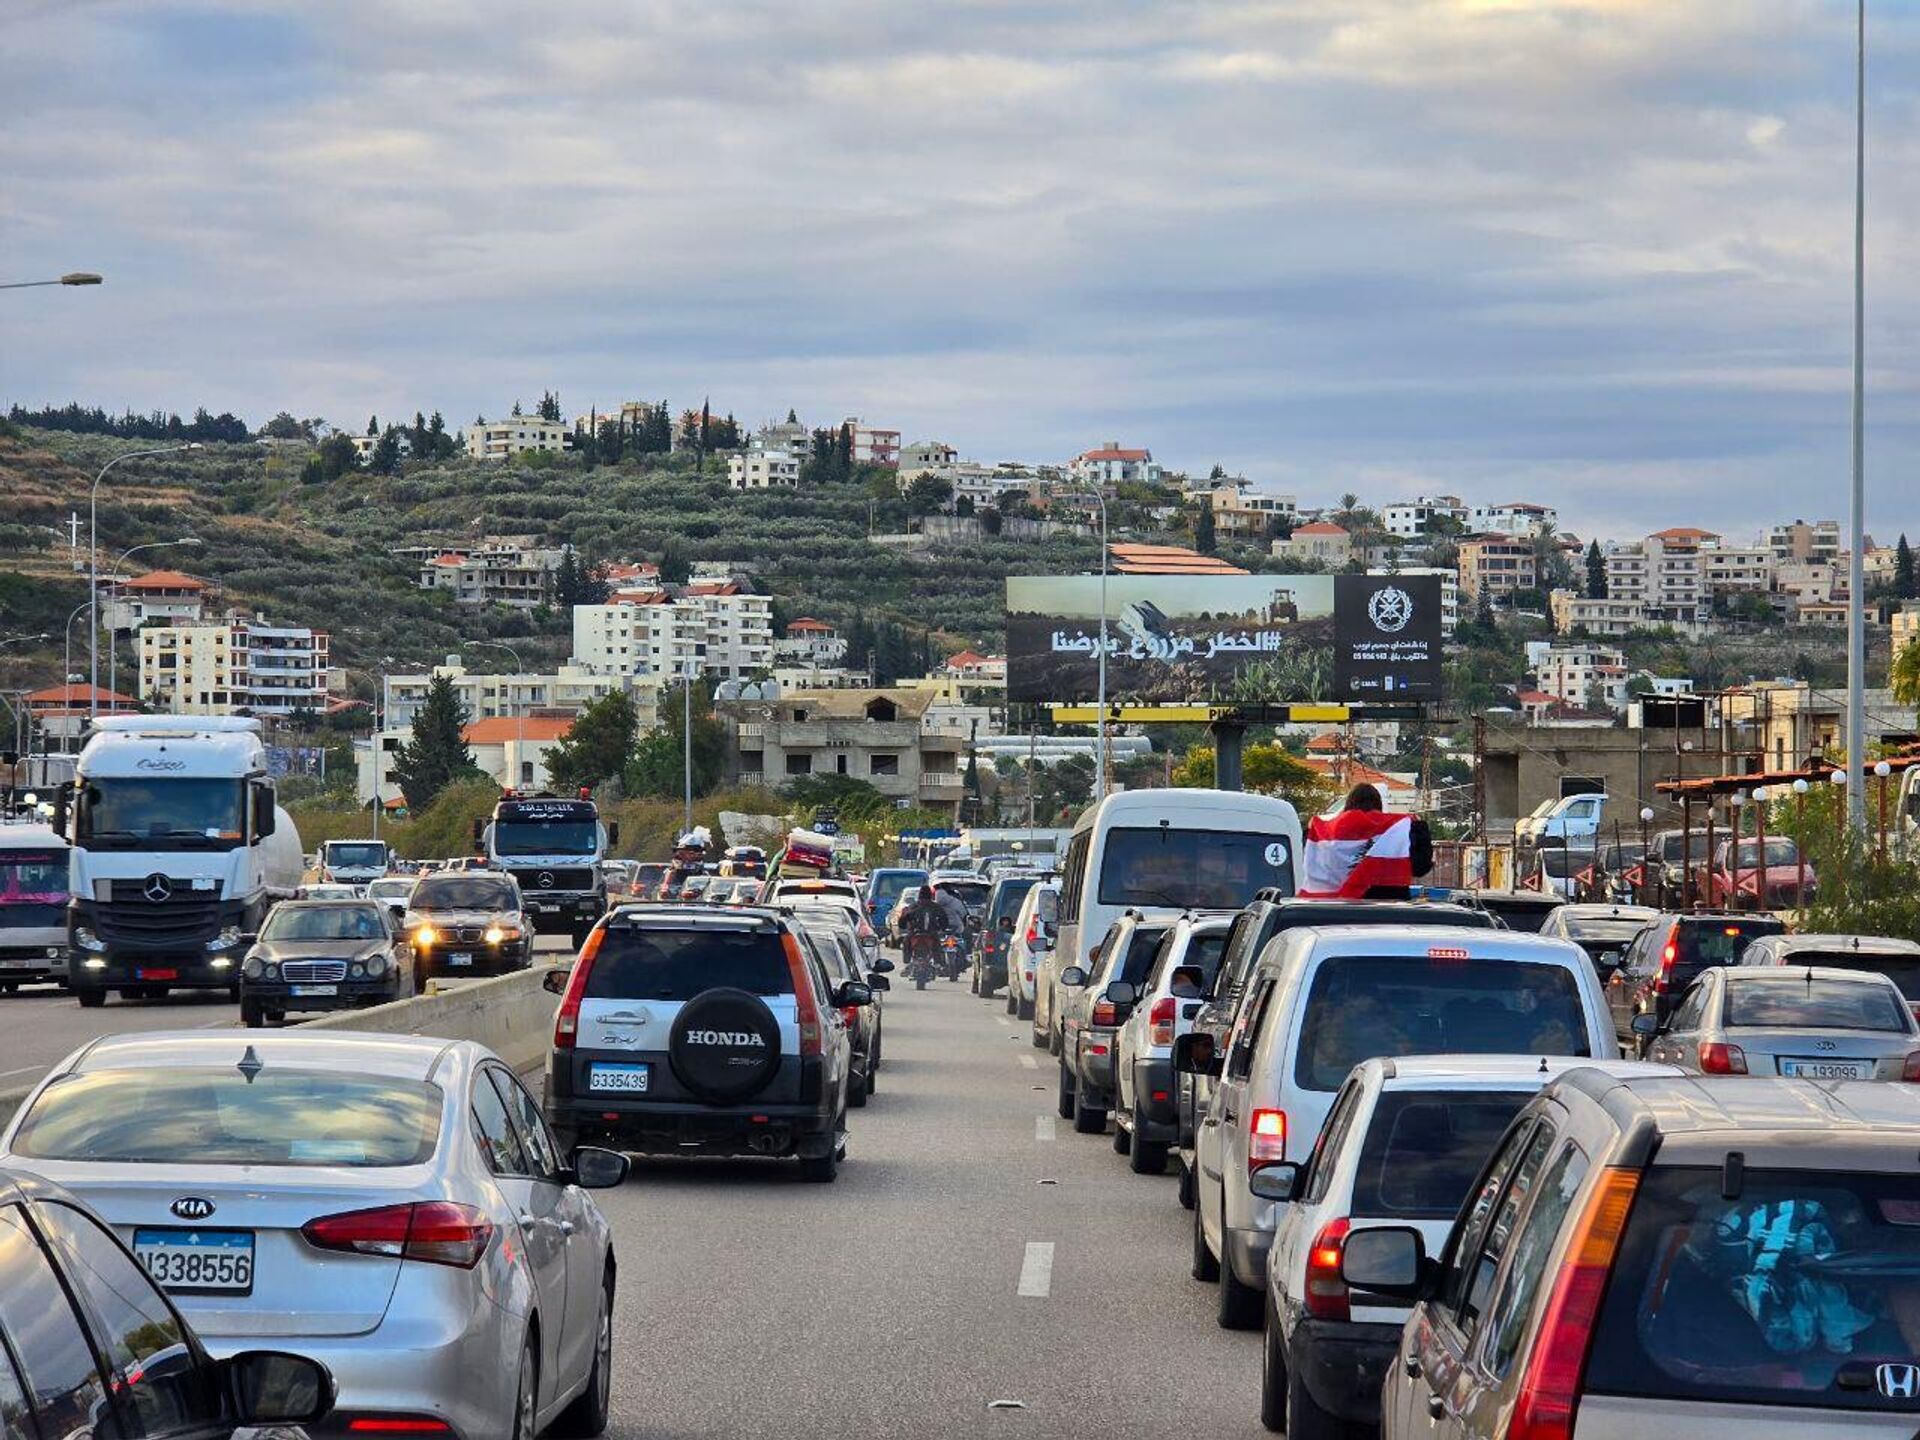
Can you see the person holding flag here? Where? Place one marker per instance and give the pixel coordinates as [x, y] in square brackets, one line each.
[1363, 853]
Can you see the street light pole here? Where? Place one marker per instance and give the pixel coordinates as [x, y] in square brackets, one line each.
[77, 277]
[1856, 564]
[686, 744]
[66, 673]
[93, 566]
[113, 650]
[520, 720]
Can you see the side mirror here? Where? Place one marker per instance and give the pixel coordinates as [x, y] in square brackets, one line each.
[883, 966]
[1196, 1054]
[62, 797]
[852, 993]
[271, 1387]
[1386, 1260]
[265, 813]
[613, 834]
[1122, 992]
[1646, 1025]
[1073, 977]
[1276, 1182]
[554, 982]
[877, 981]
[598, 1169]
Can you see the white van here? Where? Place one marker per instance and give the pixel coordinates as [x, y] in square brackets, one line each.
[1171, 849]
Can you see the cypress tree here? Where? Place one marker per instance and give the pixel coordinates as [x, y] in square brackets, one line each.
[437, 754]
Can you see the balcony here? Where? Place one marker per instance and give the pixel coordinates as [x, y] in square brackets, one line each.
[942, 785]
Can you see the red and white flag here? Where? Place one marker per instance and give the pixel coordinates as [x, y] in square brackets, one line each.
[1350, 853]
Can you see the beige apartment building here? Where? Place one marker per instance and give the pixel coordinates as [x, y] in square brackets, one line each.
[884, 737]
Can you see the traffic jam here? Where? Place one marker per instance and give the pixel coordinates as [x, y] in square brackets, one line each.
[1466, 1162]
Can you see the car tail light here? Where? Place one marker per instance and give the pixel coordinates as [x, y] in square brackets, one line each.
[1266, 1138]
[566, 1023]
[1160, 1021]
[1669, 955]
[440, 1232]
[1910, 1072]
[1326, 1297]
[1719, 1058]
[850, 1014]
[398, 1425]
[806, 1011]
[1105, 1013]
[1033, 933]
[1550, 1389]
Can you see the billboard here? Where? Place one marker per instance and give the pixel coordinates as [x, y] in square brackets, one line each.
[1386, 638]
[1224, 639]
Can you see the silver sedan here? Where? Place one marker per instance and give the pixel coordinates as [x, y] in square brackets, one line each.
[1806, 1022]
[393, 1206]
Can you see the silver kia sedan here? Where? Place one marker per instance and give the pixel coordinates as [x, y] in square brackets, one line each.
[1808, 1022]
[393, 1206]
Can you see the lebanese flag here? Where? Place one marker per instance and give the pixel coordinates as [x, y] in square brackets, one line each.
[1350, 853]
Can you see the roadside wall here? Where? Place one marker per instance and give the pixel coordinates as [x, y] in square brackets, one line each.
[511, 1015]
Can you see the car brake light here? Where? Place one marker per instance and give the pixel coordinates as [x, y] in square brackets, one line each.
[1910, 1072]
[1668, 956]
[1326, 1297]
[397, 1425]
[1160, 1021]
[566, 1021]
[1266, 1138]
[440, 1232]
[806, 1011]
[850, 1014]
[1448, 953]
[1718, 1058]
[1550, 1389]
[1105, 1013]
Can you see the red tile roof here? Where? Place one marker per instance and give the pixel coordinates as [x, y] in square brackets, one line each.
[498, 729]
[79, 695]
[165, 580]
[807, 625]
[1110, 454]
[1322, 527]
[1685, 532]
[1167, 560]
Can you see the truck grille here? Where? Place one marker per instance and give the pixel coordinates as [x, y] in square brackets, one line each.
[313, 972]
[534, 883]
[185, 919]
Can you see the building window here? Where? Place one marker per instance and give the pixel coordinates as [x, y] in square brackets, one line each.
[800, 764]
[884, 765]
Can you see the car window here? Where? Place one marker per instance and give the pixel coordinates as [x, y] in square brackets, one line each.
[1141, 948]
[659, 964]
[16, 1415]
[464, 892]
[1333, 1138]
[1471, 1239]
[1500, 1231]
[1766, 1001]
[1687, 1018]
[1073, 877]
[155, 1368]
[1424, 1148]
[1237, 957]
[1198, 869]
[543, 1154]
[493, 1130]
[1246, 1033]
[1533, 1248]
[1903, 970]
[55, 1354]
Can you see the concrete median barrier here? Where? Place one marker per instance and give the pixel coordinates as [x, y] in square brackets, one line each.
[511, 1015]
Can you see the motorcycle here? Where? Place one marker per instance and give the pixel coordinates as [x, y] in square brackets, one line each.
[920, 952]
[952, 956]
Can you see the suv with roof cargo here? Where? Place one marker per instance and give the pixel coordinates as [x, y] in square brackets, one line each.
[1667, 1256]
[1322, 1001]
[1668, 956]
[689, 1029]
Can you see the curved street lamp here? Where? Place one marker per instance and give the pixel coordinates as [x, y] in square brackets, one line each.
[76, 277]
[93, 565]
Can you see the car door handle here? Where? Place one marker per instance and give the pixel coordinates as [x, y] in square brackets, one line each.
[566, 1227]
[1413, 1367]
[1436, 1407]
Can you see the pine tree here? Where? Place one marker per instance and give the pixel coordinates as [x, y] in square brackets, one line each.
[550, 405]
[437, 755]
[386, 453]
[1203, 530]
[1596, 572]
[373, 425]
[658, 766]
[566, 579]
[1906, 584]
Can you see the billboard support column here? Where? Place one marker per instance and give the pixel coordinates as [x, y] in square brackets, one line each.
[1229, 736]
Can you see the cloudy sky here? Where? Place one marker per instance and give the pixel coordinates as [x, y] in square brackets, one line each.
[1590, 252]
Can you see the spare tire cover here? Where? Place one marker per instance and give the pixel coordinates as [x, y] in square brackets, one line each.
[724, 1045]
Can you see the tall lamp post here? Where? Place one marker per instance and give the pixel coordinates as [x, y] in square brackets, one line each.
[520, 720]
[113, 651]
[1856, 808]
[76, 277]
[93, 564]
[66, 673]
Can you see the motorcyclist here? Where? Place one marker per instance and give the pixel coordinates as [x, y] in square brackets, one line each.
[926, 916]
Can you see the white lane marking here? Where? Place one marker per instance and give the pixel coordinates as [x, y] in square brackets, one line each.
[1044, 1127]
[1028, 1062]
[21, 1071]
[1003, 1020]
[1036, 1270]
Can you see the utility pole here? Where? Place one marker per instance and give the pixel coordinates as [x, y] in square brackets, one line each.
[1856, 565]
[686, 741]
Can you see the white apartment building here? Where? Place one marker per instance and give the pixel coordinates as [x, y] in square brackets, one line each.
[712, 627]
[987, 486]
[739, 627]
[1585, 676]
[363, 445]
[872, 445]
[1449, 591]
[1608, 617]
[503, 439]
[1412, 519]
[1111, 464]
[1516, 517]
[236, 664]
[811, 642]
[1817, 542]
[565, 692]
[762, 470]
[166, 595]
[1737, 569]
[1666, 573]
[497, 573]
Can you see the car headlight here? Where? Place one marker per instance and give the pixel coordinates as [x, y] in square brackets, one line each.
[87, 940]
[497, 933]
[424, 935]
[226, 939]
[376, 966]
[269, 970]
[357, 970]
[254, 967]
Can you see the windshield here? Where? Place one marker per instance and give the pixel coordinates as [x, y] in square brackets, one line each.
[33, 877]
[546, 837]
[1424, 1148]
[1007, 898]
[889, 884]
[381, 889]
[971, 895]
[1815, 1004]
[220, 1116]
[356, 856]
[680, 964]
[1668, 846]
[460, 892]
[1362, 1006]
[324, 922]
[1779, 852]
[1605, 932]
[139, 809]
[1796, 1290]
[1903, 970]
[1560, 862]
[1192, 869]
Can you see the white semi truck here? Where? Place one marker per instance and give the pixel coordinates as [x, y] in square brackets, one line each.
[179, 850]
[353, 862]
[553, 847]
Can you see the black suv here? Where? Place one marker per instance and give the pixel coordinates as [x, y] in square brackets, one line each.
[690, 1029]
[1010, 887]
[1668, 956]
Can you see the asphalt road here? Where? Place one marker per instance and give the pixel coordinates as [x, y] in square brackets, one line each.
[42, 1024]
[891, 1303]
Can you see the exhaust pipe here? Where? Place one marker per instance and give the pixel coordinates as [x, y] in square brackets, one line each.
[769, 1142]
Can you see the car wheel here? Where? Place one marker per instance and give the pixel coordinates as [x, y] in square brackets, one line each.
[587, 1414]
[820, 1169]
[90, 999]
[1056, 1042]
[1087, 1119]
[526, 1398]
[1186, 1186]
[1148, 1157]
[1026, 1008]
[1205, 1266]
[1012, 1007]
[1063, 1094]
[252, 1014]
[1273, 1375]
[1240, 1305]
[1305, 1420]
[857, 1091]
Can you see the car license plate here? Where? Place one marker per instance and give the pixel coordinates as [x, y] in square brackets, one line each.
[300, 990]
[1827, 1069]
[631, 1078]
[16, 964]
[463, 958]
[548, 909]
[198, 1261]
[156, 974]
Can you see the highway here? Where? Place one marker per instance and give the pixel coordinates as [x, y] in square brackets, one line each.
[974, 1250]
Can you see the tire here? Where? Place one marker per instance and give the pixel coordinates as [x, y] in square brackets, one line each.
[724, 1046]
[1087, 1120]
[1013, 1007]
[1205, 1266]
[1305, 1420]
[973, 981]
[1186, 1195]
[252, 1014]
[1240, 1305]
[586, 1415]
[1056, 1042]
[820, 1169]
[1063, 1095]
[1025, 1008]
[857, 1091]
[1148, 1157]
[919, 984]
[873, 1074]
[1273, 1376]
[526, 1398]
[90, 999]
